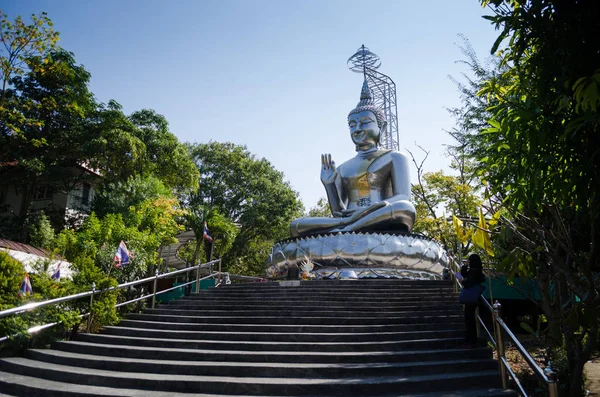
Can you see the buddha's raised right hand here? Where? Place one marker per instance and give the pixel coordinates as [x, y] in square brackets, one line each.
[328, 171]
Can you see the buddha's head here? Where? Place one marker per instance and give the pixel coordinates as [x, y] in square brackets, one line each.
[366, 121]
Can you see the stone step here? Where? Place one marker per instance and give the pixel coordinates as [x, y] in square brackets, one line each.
[333, 284]
[358, 306]
[431, 300]
[317, 292]
[333, 300]
[295, 312]
[162, 353]
[318, 286]
[372, 386]
[269, 369]
[322, 292]
[284, 336]
[338, 298]
[318, 328]
[19, 385]
[328, 338]
[275, 346]
[315, 319]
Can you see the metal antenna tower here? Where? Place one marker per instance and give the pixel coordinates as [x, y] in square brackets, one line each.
[383, 90]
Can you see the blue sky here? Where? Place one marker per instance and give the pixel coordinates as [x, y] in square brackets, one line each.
[271, 74]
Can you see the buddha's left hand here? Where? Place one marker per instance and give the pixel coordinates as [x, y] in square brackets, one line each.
[357, 213]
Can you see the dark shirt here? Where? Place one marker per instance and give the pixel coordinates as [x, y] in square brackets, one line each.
[293, 272]
[471, 276]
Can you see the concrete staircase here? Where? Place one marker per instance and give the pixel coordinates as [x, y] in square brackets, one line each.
[321, 338]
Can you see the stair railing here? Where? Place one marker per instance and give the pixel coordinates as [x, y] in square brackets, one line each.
[497, 338]
[36, 305]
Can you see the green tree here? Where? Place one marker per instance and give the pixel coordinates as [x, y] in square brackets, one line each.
[138, 146]
[91, 249]
[321, 209]
[438, 196]
[21, 42]
[52, 100]
[144, 229]
[536, 123]
[223, 231]
[41, 232]
[164, 156]
[11, 276]
[114, 145]
[249, 192]
[118, 197]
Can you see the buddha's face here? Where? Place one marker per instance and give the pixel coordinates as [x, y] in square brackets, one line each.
[364, 130]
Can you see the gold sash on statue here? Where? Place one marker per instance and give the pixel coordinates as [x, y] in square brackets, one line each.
[362, 182]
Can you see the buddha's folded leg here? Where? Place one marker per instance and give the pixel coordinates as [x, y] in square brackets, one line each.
[397, 213]
[302, 226]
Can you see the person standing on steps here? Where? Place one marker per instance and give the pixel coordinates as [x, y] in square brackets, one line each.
[472, 273]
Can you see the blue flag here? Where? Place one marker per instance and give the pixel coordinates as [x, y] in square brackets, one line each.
[25, 286]
[207, 235]
[56, 275]
[121, 256]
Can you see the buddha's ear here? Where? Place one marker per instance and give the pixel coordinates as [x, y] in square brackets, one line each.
[383, 126]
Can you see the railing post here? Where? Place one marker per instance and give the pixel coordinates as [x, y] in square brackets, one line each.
[198, 278]
[477, 323]
[89, 322]
[219, 272]
[154, 290]
[500, 344]
[552, 381]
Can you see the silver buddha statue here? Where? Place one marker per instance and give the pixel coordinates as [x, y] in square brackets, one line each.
[368, 192]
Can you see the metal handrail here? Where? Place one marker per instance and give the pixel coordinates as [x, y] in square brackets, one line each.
[482, 324]
[547, 376]
[532, 363]
[36, 305]
[513, 375]
[212, 275]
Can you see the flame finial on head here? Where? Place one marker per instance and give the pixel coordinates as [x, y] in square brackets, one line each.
[365, 93]
[366, 103]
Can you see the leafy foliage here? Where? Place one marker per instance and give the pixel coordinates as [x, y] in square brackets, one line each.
[22, 41]
[41, 231]
[321, 209]
[117, 197]
[138, 146]
[144, 229]
[44, 129]
[11, 275]
[164, 156]
[223, 231]
[250, 193]
[437, 197]
[531, 123]
[51, 124]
